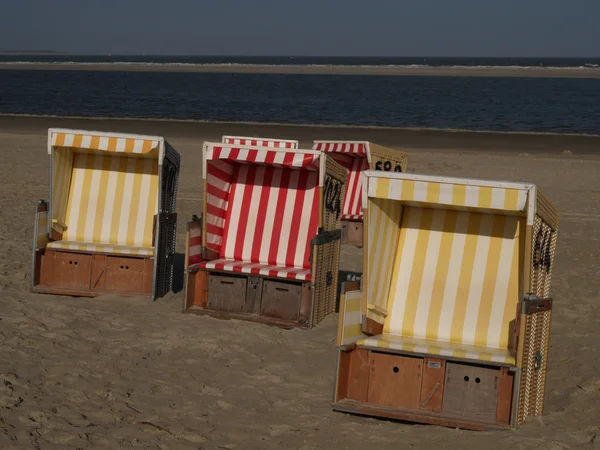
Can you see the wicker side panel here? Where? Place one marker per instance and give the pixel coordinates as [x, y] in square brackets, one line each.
[537, 325]
[325, 263]
[547, 211]
[535, 359]
[170, 178]
[165, 254]
[334, 188]
[386, 159]
[542, 258]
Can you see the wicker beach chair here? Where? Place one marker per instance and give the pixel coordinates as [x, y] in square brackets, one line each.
[267, 245]
[260, 142]
[356, 157]
[109, 226]
[451, 324]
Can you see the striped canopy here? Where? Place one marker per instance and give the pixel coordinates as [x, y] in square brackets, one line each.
[260, 142]
[353, 147]
[108, 142]
[451, 192]
[276, 157]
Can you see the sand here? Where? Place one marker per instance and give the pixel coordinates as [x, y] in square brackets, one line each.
[537, 72]
[120, 373]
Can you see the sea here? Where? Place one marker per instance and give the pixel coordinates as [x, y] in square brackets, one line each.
[509, 104]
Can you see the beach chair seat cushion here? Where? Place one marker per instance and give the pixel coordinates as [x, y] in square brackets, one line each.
[439, 348]
[101, 248]
[252, 268]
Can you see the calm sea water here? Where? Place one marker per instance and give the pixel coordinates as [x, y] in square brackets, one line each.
[477, 103]
[590, 63]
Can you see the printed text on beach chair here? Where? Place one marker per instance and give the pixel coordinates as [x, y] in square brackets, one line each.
[263, 212]
[260, 142]
[106, 233]
[448, 267]
[356, 157]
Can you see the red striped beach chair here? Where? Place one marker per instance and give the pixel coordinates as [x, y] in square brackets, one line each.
[267, 245]
[356, 157]
[260, 142]
[109, 226]
[452, 322]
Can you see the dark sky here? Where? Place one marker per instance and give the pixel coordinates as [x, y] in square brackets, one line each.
[305, 27]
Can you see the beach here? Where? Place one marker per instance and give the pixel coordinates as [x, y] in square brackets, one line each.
[497, 71]
[123, 373]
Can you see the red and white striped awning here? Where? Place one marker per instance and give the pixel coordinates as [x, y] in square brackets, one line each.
[260, 142]
[291, 159]
[355, 147]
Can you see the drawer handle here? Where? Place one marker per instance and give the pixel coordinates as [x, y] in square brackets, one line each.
[226, 282]
[433, 391]
[98, 279]
[282, 289]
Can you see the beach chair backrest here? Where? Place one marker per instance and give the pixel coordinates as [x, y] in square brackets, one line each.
[262, 204]
[260, 142]
[104, 189]
[455, 276]
[455, 268]
[272, 215]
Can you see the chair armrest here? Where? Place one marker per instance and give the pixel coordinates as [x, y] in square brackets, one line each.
[377, 309]
[528, 306]
[194, 252]
[350, 318]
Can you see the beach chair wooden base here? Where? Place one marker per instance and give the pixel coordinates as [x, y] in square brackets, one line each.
[424, 389]
[93, 274]
[352, 232]
[261, 299]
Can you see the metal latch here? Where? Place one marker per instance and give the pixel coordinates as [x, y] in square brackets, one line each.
[538, 360]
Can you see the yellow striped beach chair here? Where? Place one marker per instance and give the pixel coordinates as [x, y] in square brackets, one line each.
[109, 226]
[451, 323]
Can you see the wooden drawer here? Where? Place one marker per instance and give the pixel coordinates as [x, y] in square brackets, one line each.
[395, 380]
[124, 274]
[227, 293]
[281, 300]
[68, 270]
[471, 391]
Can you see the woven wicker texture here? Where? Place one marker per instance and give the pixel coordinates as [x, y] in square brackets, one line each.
[535, 358]
[326, 262]
[381, 155]
[542, 257]
[547, 211]
[168, 229]
[537, 325]
[334, 188]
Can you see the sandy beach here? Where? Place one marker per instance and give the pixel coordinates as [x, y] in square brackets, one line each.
[114, 373]
[530, 72]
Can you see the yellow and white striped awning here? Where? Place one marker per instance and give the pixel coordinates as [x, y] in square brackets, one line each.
[454, 193]
[109, 142]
